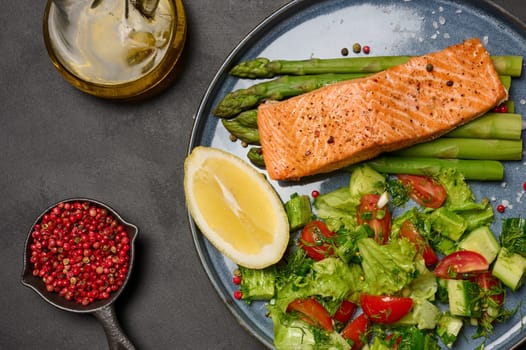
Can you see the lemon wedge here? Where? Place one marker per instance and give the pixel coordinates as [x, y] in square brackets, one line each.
[235, 207]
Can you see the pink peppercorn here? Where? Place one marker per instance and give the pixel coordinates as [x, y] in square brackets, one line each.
[238, 294]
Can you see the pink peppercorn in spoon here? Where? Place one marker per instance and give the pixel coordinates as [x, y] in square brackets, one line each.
[78, 257]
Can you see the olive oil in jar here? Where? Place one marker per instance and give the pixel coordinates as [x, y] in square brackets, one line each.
[109, 42]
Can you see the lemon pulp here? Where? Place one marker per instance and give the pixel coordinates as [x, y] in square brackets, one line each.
[233, 206]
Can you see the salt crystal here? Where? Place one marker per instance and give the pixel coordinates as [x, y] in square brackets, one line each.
[434, 36]
[503, 185]
[519, 196]
[458, 11]
[485, 40]
[440, 9]
[446, 36]
[441, 20]
[522, 101]
[435, 24]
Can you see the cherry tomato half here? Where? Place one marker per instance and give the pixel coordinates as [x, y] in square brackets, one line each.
[491, 286]
[316, 240]
[424, 190]
[385, 309]
[314, 311]
[460, 265]
[356, 330]
[345, 312]
[409, 231]
[379, 219]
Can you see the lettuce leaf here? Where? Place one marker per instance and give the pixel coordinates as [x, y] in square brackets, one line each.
[337, 208]
[387, 268]
[329, 278]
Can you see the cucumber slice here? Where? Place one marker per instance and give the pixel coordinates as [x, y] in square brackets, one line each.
[448, 328]
[510, 268]
[482, 241]
[299, 211]
[464, 298]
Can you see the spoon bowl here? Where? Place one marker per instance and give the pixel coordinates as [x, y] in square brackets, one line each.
[103, 310]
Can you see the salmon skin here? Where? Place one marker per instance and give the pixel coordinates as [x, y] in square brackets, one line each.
[352, 121]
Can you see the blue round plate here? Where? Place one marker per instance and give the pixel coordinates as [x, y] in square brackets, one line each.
[313, 28]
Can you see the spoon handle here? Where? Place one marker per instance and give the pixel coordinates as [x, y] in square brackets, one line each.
[117, 340]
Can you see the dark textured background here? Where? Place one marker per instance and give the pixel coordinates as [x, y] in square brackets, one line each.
[57, 142]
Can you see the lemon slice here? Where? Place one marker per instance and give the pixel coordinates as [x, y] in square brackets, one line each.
[235, 207]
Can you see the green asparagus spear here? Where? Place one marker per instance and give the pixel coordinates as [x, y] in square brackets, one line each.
[510, 105]
[255, 155]
[277, 89]
[508, 65]
[503, 126]
[460, 148]
[248, 118]
[481, 170]
[284, 87]
[265, 68]
[244, 126]
[472, 169]
[506, 81]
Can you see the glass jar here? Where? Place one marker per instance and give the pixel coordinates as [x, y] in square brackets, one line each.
[110, 49]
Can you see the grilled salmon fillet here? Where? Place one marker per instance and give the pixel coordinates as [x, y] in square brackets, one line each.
[352, 121]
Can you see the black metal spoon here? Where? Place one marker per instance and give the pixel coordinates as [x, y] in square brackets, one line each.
[103, 310]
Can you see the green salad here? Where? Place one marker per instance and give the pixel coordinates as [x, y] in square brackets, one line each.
[357, 275]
